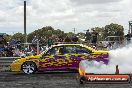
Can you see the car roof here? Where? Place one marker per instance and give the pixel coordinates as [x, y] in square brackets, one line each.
[69, 44]
[73, 45]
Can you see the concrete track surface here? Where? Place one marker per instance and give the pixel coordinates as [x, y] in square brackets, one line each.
[49, 80]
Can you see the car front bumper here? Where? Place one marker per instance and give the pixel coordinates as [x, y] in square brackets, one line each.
[15, 67]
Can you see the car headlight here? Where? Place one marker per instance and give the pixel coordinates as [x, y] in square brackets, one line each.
[16, 61]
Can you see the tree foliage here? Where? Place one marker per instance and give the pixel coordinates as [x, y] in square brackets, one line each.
[18, 36]
[45, 33]
[48, 31]
[69, 34]
[114, 30]
[100, 33]
[109, 30]
[8, 38]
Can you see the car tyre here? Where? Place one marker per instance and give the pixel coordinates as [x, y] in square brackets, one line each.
[29, 67]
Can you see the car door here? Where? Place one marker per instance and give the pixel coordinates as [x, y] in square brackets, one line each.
[75, 54]
[54, 59]
[47, 60]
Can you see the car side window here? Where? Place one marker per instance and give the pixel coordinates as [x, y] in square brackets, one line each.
[69, 50]
[76, 50]
[50, 52]
[55, 51]
[82, 50]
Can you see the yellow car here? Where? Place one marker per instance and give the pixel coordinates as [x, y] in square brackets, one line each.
[59, 57]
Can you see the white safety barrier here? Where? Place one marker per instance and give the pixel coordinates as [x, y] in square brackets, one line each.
[5, 63]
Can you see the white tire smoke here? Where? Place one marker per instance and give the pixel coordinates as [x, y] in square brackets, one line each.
[121, 57]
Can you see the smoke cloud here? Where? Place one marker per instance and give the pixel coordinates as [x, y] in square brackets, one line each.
[121, 57]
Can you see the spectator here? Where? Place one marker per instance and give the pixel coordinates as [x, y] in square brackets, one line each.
[9, 51]
[75, 39]
[67, 39]
[17, 52]
[88, 37]
[56, 39]
[94, 37]
[2, 41]
[109, 47]
[50, 41]
[128, 37]
[61, 38]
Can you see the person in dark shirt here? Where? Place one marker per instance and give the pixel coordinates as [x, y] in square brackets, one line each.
[50, 41]
[2, 41]
[128, 37]
[75, 39]
[61, 38]
[88, 37]
[9, 51]
[67, 39]
[94, 37]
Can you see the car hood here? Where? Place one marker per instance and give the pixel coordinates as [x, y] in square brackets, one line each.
[34, 57]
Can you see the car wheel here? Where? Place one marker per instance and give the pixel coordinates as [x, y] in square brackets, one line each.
[29, 67]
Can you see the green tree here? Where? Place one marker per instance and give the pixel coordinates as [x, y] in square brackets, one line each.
[8, 38]
[101, 32]
[109, 30]
[18, 36]
[114, 30]
[44, 32]
[69, 34]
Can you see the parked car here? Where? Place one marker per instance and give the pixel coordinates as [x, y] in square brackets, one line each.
[59, 57]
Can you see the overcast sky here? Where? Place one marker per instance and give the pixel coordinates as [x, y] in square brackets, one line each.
[63, 14]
